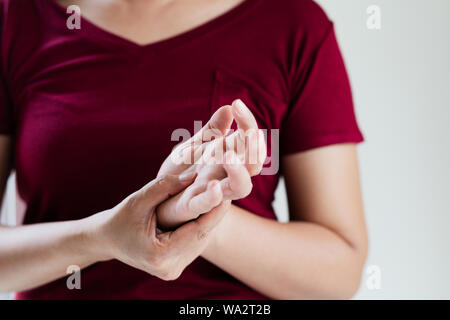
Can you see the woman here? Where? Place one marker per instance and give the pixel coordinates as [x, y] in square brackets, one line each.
[90, 112]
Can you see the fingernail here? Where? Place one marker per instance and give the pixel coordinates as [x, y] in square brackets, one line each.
[241, 108]
[187, 176]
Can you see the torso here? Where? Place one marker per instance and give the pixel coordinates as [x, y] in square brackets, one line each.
[93, 110]
[96, 108]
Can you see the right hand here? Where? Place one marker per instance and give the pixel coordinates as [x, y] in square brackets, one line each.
[214, 183]
[215, 138]
[214, 154]
[129, 233]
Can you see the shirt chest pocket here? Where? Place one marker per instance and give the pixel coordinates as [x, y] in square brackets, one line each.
[229, 86]
[268, 110]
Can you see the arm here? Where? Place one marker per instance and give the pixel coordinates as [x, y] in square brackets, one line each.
[126, 232]
[37, 254]
[29, 259]
[321, 253]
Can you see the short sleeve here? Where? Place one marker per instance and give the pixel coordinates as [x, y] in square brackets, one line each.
[321, 110]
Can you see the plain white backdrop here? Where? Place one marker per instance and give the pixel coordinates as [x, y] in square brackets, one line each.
[400, 76]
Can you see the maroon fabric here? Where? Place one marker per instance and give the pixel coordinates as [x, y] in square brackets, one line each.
[92, 114]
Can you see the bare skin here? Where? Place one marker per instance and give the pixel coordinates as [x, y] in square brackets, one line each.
[215, 163]
[320, 254]
[152, 20]
[128, 232]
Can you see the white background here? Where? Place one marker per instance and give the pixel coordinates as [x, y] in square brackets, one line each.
[401, 81]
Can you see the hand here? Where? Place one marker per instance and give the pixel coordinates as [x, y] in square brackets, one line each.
[129, 233]
[213, 138]
[206, 192]
[204, 154]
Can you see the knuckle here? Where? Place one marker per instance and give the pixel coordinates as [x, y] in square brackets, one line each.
[147, 192]
[131, 202]
[162, 180]
[202, 234]
[168, 181]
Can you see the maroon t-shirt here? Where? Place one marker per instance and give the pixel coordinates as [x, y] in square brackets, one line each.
[92, 114]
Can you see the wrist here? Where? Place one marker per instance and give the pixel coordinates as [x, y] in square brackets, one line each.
[95, 236]
[218, 235]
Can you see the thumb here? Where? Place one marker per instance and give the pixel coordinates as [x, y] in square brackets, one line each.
[244, 117]
[218, 125]
[161, 188]
[198, 229]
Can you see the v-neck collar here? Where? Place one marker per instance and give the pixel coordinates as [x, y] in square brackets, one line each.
[103, 34]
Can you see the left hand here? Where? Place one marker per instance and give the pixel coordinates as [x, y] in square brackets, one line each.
[128, 232]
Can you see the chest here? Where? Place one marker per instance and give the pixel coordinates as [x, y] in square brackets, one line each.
[94, 111]
[105, 122]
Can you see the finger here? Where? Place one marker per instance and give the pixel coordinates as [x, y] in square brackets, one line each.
[191, 151]
[256, 152]
[253, 146]
[238, 183]
[217, 126]
[207, 200]
[208, 221]
[243, 116]
[163, 187]
[262, 148]
[188, 154]
[236, 142]
[197, 230]
[214, 152]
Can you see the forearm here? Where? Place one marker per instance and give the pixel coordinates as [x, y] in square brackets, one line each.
[37, 254]
[296, 260]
